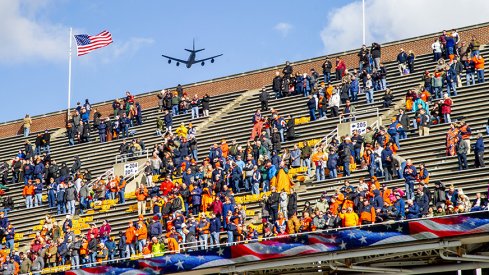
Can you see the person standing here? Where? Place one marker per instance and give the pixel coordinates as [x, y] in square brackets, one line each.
[376, 54]
[277, 85]
[264, 99]
[424, 124]
[27, 125]
[327, 66]
[141, 195]
[311, 105]
[205, 105]
[462, 154]
[402, 58]
[194, 104]
[409, 174]
[479, 67]
[479, 151]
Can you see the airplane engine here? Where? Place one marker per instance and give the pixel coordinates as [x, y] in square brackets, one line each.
[203, 63]
[169, 61]
[212, 60]
[178, 63]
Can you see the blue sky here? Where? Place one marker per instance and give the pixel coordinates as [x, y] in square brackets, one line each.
[251, 35]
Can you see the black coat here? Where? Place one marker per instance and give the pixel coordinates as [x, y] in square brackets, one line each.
[277, 83]
[205, 102]
[404, 120]
[290, 129]
[264, 96]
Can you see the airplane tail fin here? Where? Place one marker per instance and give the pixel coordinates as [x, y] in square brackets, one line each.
[193, 50]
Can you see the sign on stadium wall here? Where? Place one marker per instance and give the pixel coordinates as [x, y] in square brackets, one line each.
[360, 126]
[130, 169]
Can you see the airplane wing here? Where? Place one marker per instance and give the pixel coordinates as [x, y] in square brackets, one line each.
[208, 58]
[175, 59]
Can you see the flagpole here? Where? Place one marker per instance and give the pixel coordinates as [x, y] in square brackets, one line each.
[69, 77]
[363, 20]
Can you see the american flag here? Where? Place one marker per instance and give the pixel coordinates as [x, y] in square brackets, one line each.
[316, 242]
[86, 43]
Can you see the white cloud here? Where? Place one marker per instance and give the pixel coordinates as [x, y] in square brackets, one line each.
[388, 20]
[126, 48]
[283, 28]
[25, 37]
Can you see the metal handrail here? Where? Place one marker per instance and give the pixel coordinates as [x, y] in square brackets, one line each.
[355, 115]
[326, 139]
[120, 157]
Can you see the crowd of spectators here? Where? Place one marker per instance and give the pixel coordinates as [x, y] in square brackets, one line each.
[192, 201]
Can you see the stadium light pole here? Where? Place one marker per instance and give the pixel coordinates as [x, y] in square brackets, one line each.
[363, 20]
[69, 77]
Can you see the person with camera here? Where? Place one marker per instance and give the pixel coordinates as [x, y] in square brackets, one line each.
[141, 195]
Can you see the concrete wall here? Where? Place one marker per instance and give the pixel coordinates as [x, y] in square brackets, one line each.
[255, 79]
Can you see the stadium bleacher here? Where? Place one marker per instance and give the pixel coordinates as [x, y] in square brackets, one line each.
[235, 124]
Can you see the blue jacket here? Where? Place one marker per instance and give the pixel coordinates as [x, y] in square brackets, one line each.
[332, 161]
[378, 201]
[401, 208]
[101, 128]
[38, 188]
[39, 168]
[402, 57]
[386, 153]
[354, 86]
[272, 172]
[479, 145]
[196, 196]
[410, 173]
[155, 229]
[413, 211]
[215, 225]
[85, 117]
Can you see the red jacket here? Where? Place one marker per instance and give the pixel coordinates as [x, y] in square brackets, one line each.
[166, 187]
[446, 107]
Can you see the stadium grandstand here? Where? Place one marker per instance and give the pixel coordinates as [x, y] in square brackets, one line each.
[366, 161]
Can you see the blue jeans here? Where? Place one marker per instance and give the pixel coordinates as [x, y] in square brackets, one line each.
[369, 94]
[203, 241]
[26, 131]
[319, 173]
[470, 78]
[396, 139]
[141, 244]
[437, 92]
[327, 77]
[61, 208]
[451, 86]
[195, 112]
[174, 110]
[70, 206]
[51, 199]
[409, 189]
[38, 199]
[346, 169]
[255, 188]
[400, 172]
[27, 178]
[71, 142]
[195, 155]
[248, 181]
[282, 134]
[480, 76]
[236, 186]
[436, 56]
[312, 114]
[28, 201]
[353, 95]
[402, 134]
[121, 196]
[125, 131]
[83, 203]
[230, 237]
[306, 92]
[447, 119]
[75, 261]
[10, 244]
[266, 186]
[214, 239]
[129, 250]
[102, 137]
[333, 173]
[46, 148]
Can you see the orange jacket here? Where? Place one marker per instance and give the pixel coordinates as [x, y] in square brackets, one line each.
[28, 190]
[130, 235]
[368, 214]
[386, 196]
[142, 232]
[225, 150]
[479, 62]
[141, 195]
[173, 246]
[349, 219]
[84, 248]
